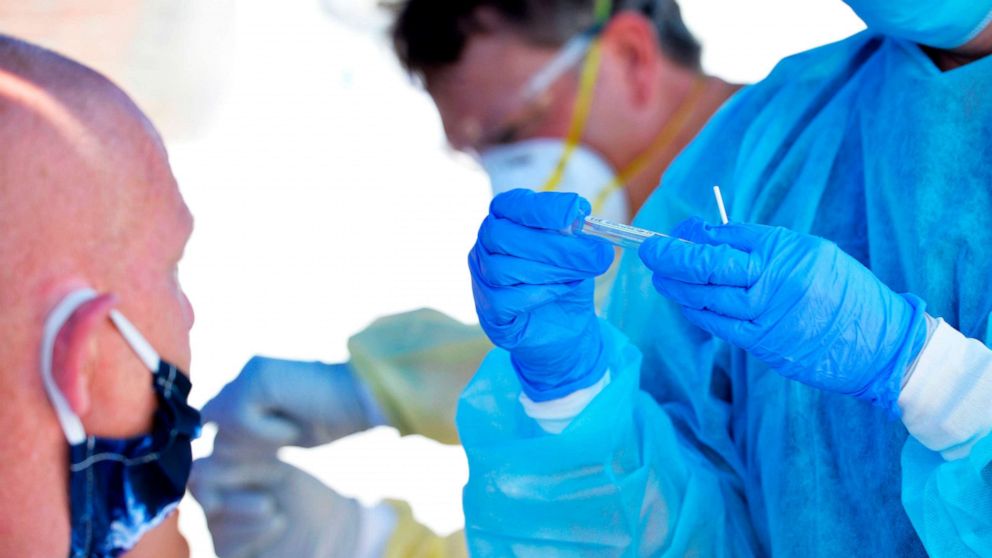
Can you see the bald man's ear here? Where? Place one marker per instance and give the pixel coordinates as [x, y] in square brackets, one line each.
[75, 351]
[634, 43]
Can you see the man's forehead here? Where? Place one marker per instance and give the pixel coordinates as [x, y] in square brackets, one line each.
[477, 92]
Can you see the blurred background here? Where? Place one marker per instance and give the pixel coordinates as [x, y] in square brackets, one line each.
[324, 193]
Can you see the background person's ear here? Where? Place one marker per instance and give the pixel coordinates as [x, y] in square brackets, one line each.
[634, 43]
[75, 350]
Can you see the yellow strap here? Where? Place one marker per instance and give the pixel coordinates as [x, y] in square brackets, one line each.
[669, 132]
[580, 114]
[603, 10]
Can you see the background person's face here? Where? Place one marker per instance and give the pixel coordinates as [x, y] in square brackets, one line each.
[479, 97]
[480, 103]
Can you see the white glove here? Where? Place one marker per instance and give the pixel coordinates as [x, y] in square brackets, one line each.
[267, 508]
[274, 403]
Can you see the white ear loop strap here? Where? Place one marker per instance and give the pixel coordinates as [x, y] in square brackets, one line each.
[71, 425]
[570, 55]
[138, 343]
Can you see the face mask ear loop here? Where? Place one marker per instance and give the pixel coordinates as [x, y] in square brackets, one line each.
[571, 54]
[580, 114]
[137, 342]
[72, 427]
[587, 88]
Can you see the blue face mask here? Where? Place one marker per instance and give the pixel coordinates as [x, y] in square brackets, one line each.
[121, 488]
[946, 24]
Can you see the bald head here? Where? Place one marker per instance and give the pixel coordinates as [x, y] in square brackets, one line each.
[87, 198]
[77, 167]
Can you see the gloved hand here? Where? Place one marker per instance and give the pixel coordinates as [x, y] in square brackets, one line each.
[795, 301]
[265, 507]
[533, 290]
[273, 403]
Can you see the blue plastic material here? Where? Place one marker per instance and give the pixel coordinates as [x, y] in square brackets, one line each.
[796, 302]
[598, 488]
[864, 143]
[943, 24]
[533, 290]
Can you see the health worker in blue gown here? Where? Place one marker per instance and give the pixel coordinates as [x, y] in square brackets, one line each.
[812, 379]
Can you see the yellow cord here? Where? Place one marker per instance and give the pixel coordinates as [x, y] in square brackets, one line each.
[580, 114]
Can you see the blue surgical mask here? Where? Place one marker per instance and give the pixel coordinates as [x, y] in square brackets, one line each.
[121, 488]
[945, 24]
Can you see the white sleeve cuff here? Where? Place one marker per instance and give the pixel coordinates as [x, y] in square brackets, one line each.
[946, 402]
[376, 528]
[555, 415]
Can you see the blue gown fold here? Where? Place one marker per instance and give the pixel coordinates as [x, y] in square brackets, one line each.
[864, 142]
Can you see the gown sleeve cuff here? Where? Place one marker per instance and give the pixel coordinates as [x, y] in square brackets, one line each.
[555, 415]
[945, 400]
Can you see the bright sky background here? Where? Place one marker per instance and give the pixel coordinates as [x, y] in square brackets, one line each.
[323, 191]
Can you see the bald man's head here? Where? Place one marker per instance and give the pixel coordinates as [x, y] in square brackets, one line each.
[77, 167]
[87, 198]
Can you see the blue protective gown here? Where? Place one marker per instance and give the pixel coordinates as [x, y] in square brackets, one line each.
[864, 142]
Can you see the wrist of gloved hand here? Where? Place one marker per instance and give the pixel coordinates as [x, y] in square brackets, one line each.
[908, 343]
[945, 396]
[559, 373]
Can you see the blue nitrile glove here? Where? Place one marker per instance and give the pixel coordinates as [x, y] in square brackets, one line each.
[263, 507]
[795, 301]
[533, 290]
[274, 403]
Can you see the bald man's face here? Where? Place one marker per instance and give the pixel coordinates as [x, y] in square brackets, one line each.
[162, 229]
[480, 107]
[145, 279]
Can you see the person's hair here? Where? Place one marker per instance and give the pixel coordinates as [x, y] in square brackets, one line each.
[431, 34]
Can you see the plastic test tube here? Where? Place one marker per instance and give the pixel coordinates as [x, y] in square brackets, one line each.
[625, 236]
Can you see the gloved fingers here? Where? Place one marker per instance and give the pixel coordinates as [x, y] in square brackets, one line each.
[701, 264]
[243, 518]
[733, 302]
[501, 236]
[251, 407]
[741, 236]
[505, 271]
[692, 229]
[235, 538]
[239, 447]
[215, 410]
[252, 507]
[253, 422]
[213, 478]
[740, 333]
[541, 210]
[502, 305]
